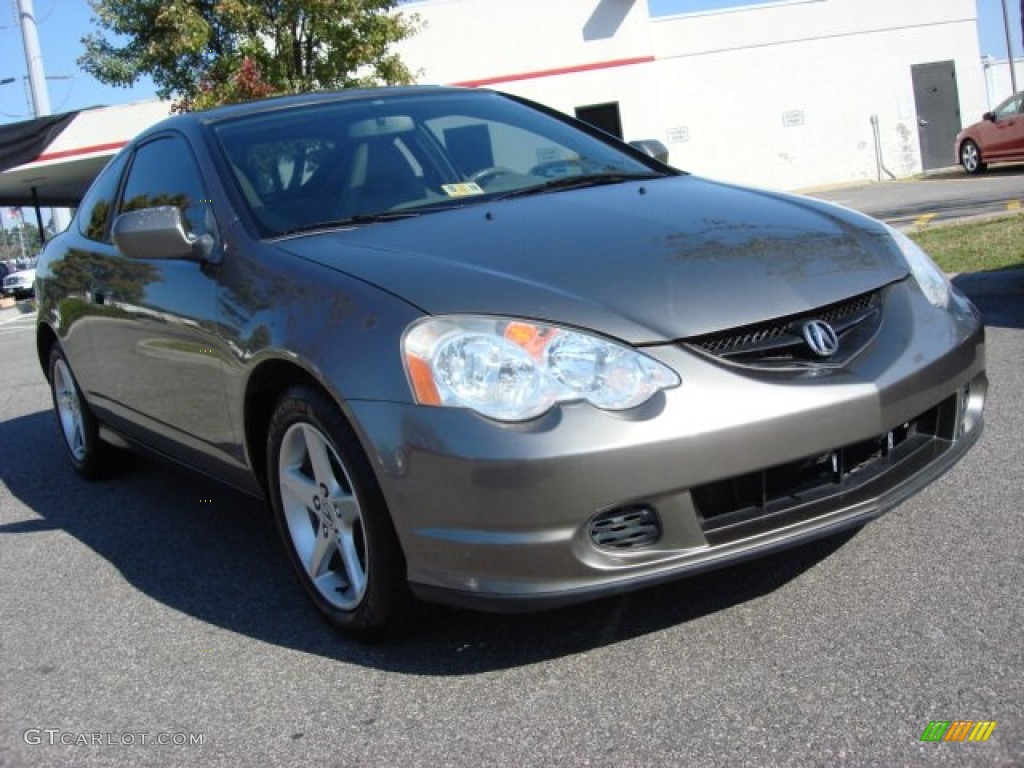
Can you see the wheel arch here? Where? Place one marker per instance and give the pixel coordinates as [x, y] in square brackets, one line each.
[46, 337]
[265, 386]
[982, 162]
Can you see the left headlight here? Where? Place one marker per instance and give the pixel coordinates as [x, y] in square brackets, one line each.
[929, 277]
[515, 370]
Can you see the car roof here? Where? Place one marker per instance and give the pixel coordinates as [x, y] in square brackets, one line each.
[230, 111]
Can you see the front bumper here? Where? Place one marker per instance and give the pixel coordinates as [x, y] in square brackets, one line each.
[18, 289]
[500, 516]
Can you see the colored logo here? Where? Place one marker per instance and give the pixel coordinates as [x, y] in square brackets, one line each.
[958, 730]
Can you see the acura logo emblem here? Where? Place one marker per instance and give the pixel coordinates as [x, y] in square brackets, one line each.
[821, 338]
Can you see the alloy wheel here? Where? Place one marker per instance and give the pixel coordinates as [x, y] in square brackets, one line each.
[69, 409]
[970, 157]
[323, 515]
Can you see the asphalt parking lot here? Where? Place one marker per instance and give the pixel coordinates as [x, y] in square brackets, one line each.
[158, 606]
[943, 196]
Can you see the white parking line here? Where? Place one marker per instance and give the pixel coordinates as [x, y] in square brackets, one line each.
[24, 318]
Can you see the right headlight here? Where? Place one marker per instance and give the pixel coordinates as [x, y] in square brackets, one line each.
[929, 277]
[514, 370]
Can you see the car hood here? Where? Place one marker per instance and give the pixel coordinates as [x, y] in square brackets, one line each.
[646, 262]
[21, 275]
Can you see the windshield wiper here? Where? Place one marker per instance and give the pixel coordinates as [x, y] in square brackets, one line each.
[359, 218]
[577, 182]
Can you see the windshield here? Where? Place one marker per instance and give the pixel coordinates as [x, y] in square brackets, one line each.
[353, 162]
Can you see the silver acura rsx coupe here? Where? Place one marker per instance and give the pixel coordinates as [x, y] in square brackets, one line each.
[473, 351]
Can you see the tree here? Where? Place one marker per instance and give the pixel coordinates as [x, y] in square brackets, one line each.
[209, 52]
[20, 241]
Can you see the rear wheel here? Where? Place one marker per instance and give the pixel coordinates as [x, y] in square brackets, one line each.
[332, 517]
[970, 157]
[76, 424]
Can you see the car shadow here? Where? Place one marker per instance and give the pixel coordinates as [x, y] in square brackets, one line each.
[998, 293]
[20, 306]
[212, 553]
[956, 172]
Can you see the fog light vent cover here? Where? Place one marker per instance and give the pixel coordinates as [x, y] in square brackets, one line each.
[629, 527]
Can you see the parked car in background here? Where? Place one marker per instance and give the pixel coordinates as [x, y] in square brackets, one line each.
[20, 284]
[474, 351]
[998, 137]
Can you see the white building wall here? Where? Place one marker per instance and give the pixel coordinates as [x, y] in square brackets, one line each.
[998, 82]
[778, 95]
[562, 53]
[472, 40]
[783, 95]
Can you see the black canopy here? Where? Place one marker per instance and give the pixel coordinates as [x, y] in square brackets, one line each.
[23, 142]
[59, 184]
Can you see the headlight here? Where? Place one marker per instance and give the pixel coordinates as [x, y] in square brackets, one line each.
[929, 277]
[514, 370]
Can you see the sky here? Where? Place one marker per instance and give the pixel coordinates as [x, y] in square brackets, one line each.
[62, 24]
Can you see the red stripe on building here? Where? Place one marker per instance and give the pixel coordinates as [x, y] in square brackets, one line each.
[465, 83]
[81, 151]
[559, 71]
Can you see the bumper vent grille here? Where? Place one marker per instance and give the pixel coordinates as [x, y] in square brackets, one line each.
[626, 528]
[742, 506]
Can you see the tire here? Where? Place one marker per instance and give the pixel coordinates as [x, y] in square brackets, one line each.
[333, 519]
[970, 157]
[77, 427]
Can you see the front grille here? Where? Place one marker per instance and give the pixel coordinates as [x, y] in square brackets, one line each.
[779, 344]
[740, 506]
[626, 528]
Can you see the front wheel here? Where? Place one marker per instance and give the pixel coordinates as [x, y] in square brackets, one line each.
[332, 517]
[970, 157]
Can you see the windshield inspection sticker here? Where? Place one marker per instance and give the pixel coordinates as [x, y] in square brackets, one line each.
[462, 190]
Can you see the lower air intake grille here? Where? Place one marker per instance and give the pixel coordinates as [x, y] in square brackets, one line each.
[626, 528]
[733, 508]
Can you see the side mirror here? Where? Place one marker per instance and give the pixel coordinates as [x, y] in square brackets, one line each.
[159, 233]
[990, 116]
[651, 148]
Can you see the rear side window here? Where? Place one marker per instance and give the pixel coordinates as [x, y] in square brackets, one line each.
[1010, 107]
[94, 212]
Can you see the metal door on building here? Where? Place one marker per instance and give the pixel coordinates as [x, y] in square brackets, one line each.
[937, 101]
[603, 116]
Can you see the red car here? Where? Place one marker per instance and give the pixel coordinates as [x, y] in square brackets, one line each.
[997, 138]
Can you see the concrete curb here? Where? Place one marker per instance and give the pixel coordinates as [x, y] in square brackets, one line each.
[978, 218]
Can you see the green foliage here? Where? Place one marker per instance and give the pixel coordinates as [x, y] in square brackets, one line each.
[209, 52]
[126, 279]
[975, 246]
[21, 240]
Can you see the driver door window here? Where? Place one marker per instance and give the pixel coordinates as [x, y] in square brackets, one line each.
[165, 173]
